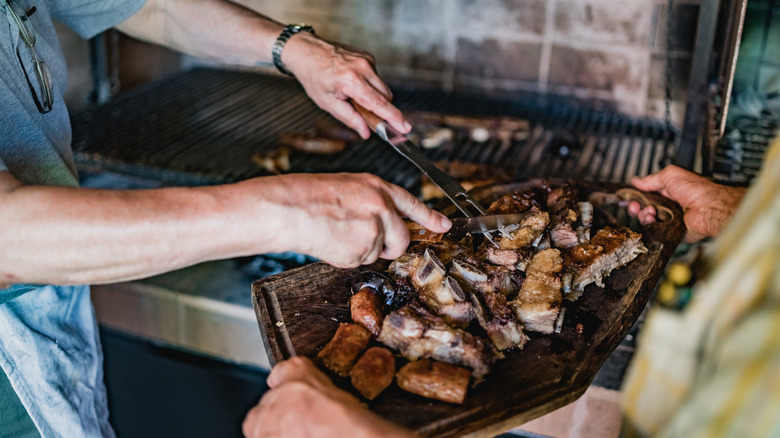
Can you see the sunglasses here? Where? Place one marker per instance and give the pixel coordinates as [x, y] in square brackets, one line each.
[43, 94]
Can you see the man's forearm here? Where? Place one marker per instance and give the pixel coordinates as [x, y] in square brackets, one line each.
[72, 236]
[207, 29]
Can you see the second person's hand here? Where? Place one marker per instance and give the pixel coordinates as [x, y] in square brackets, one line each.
[708, 206]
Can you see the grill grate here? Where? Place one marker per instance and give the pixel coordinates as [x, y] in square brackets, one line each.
[203, 125]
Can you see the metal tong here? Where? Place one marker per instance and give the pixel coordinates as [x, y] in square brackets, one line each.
[454, 191]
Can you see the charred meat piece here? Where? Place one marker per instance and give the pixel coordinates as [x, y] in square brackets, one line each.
[312, 144]
[561, 203]
[539, 300]
[437, 380]
[381, 284]
[373, 372]
[436, 289]
[276, 161]
[609, 249]
[344, 348]
[416, 333]
[366, 309]
[527, 232]
[490, 306]
[506, 281]
[329, 128]
[517, 202]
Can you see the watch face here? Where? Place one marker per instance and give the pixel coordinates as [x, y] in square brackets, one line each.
[302, 27]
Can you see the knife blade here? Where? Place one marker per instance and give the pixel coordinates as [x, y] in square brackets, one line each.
[464, 225]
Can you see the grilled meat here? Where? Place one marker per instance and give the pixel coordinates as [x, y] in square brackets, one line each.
[373, 372]
[344, 348]
[366, 309]
[436, 289]
[503, 257]
[332, 129]
[516, 202]
[539, 300]
[276, 161]
[561, 203]
[312, 144]
[491, 308]
[527, 232]
[416, 333]
[432, 379]
[609, 249]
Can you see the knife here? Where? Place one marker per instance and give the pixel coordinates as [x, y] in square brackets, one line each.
[454, 191]
[463, 225]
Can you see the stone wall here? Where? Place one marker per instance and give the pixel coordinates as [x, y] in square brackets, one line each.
[609, 54]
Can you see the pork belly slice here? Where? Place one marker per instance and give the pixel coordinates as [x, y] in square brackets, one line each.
[373, 372]
[437, 380]
[503, 257]
[344, 348]
[416, 333]
[611, 248]
[440, 292]
[490, 306]
[527, 232]
[539, 300]
[366, 309]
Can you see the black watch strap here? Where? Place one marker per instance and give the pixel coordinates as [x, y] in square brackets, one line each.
[287, 32]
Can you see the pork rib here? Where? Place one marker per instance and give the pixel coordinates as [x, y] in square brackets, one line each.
[416, 333]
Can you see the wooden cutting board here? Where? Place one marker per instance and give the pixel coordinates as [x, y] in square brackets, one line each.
[299, 310]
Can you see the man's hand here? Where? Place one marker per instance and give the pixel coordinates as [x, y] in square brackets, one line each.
[329, 72]
[332, 73]
[708, 206]
[303, 402]
[345, 219]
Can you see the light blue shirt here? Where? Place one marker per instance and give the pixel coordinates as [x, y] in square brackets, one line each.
[49, 345]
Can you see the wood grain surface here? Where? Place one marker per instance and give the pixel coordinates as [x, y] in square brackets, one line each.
[299, 310]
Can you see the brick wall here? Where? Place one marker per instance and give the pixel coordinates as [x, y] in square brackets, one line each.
[609, 54]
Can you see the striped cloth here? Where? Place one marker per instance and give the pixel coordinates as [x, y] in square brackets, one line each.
[713, 368]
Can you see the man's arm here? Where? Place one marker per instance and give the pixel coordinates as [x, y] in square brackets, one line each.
[63, 235]
[219, 30]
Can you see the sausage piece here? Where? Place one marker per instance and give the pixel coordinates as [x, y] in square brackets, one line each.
[373, 372]
[344, 348]
[366, 309]
[311, 144]
[432, 379]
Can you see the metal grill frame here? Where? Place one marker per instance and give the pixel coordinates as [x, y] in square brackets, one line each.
[202, 126]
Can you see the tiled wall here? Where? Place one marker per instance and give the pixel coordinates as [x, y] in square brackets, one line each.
[610, 54]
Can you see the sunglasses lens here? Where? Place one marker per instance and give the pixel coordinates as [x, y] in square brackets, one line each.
[25, 29]
[44, 80]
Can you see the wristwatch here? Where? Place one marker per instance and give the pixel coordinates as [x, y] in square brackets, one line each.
[287, 32]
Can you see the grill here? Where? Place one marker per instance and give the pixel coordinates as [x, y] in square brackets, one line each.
[203, 125]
